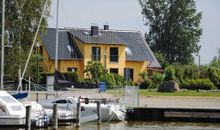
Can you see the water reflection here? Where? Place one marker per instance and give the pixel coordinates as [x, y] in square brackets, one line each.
[143, 126]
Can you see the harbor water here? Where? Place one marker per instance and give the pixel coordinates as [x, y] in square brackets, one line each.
[143, 126]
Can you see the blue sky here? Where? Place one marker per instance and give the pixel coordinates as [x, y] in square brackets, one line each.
[126, 15]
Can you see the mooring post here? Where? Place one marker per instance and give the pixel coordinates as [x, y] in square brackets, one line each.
[99, 112]
[55, 118]
[78, 114]
[46, 96]
[28, 118]
[37, 96]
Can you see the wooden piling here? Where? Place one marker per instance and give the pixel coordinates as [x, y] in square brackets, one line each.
[28, 118]
[99, 120]
[78, 114]
[55, 117]
[37, 96]
[46, 96]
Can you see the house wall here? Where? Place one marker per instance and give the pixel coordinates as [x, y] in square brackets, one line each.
[86, 50]
[137, 66]
[120, 65]
[65, 64]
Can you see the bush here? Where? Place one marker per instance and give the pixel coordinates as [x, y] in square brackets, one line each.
[72, 76]
[169, 73]
[179, 72]
[191, 72]
[146, 84]
[195, 84]
[113, 80]
[157, 80]
[119, 80]
[214, 76]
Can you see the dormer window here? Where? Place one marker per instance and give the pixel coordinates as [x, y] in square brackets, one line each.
[69, 48]
[128, 51]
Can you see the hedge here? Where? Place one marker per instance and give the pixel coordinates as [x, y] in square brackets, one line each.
[196, 84]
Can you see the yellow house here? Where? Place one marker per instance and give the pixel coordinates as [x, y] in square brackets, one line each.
[122, 52]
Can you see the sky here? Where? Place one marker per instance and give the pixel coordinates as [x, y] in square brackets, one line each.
[126, 15]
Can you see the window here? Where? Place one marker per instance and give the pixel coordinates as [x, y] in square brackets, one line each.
[129, 74]
[71, 69]
[114, 70]
[113, 54]
[38, 50]
[95, 53]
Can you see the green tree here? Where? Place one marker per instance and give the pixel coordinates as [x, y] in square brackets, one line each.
[94, 71]
[215, 62]
[174, 28]
[21, 21]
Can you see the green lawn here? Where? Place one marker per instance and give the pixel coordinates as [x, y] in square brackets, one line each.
[181, 93]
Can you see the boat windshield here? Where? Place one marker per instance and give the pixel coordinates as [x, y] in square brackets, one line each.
[8, 99]
[62, 101]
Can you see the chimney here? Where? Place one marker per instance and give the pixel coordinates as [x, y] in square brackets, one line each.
[106, 27]
[94, 30]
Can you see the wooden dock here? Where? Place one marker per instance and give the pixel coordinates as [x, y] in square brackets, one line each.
[211, 115]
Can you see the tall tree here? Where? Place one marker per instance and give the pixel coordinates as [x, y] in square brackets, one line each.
[174, 28]
[21, 21]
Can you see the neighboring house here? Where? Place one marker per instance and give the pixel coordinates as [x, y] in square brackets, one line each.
[122, 52]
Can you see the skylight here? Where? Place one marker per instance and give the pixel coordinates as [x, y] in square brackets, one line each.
[69, 48]
[128, 51]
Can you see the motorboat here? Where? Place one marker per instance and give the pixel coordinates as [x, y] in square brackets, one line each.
[109, 111]
[11, 110]
[66, 109]
[39, 118]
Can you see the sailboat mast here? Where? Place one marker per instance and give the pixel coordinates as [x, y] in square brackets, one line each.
[57, 37]
[3, 44]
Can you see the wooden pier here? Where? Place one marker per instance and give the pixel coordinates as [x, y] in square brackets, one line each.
[173, 114]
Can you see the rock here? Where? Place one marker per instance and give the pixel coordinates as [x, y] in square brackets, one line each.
[169, 86]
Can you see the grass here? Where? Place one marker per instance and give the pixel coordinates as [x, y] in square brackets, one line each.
[189, 93]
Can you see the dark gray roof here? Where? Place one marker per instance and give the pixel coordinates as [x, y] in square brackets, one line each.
[49, 40]
[133, 40]
[104, 37]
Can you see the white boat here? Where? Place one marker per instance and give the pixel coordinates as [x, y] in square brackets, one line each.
[39, 118]
[11, 110]
[109, 112]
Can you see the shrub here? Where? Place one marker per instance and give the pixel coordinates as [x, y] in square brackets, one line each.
[179, 72]
[119, 80]
[146, 84]
[191, 72]
[169, 73]
[214, 76]
[72, 76]
[156, 79]
[195, 84]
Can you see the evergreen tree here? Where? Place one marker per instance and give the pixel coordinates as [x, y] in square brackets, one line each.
[174, 28]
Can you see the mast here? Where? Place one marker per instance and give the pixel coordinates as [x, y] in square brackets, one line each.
[57, 37]
[3, 44]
